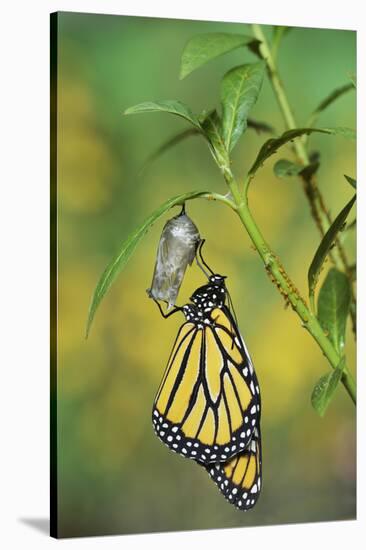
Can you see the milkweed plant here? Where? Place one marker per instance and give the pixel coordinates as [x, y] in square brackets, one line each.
[324, 313]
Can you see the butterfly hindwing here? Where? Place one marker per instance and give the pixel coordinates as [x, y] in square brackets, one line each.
[207, 406]
[240, 478]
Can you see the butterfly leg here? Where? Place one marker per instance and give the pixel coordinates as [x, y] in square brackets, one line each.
[166, 315]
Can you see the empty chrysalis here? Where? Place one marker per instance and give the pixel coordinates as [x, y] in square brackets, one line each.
[177, 249]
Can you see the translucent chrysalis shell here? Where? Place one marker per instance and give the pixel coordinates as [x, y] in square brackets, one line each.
[177, 249]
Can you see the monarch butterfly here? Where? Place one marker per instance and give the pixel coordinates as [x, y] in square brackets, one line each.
[208, 404]
[240, 478]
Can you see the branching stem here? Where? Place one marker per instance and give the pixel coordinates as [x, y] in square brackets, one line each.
[218, 197]
[286, 286]
[318, 209]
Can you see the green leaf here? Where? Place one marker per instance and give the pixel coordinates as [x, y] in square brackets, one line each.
[284, 168]
[351, 181]
[333, 307]
[351, 225]
[205, 123]
[260, 126]
[338, 92]
[126, 250]
[168, 144]
[213, 131]
[205, 47]
[347, 133]
[325, 246]
[240, 88]
[171, 106]
[271, 146]
[325, 389]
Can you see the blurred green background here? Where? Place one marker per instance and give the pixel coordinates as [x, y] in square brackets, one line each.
[114, 475]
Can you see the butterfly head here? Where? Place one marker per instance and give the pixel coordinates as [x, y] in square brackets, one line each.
[217, 279]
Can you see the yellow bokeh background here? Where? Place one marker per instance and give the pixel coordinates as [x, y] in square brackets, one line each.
[114, 475]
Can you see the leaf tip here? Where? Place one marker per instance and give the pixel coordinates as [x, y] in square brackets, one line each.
[88, 325]
[183, 73]
[351, 181]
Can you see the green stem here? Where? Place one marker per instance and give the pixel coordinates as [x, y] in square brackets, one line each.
[279, 90]
[286, 286]
[318, 209]
[217, 197]
[312, 303]
[316, 202]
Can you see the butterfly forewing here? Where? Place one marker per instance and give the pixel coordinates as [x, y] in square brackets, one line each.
[208, 402]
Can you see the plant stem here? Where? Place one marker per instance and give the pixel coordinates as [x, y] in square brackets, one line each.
[312, 303]
[318, 209]
[279, 90]
[286, 286]
[218, 197]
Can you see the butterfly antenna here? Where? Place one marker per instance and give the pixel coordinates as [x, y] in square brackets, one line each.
[232, 311]
[199, 259]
